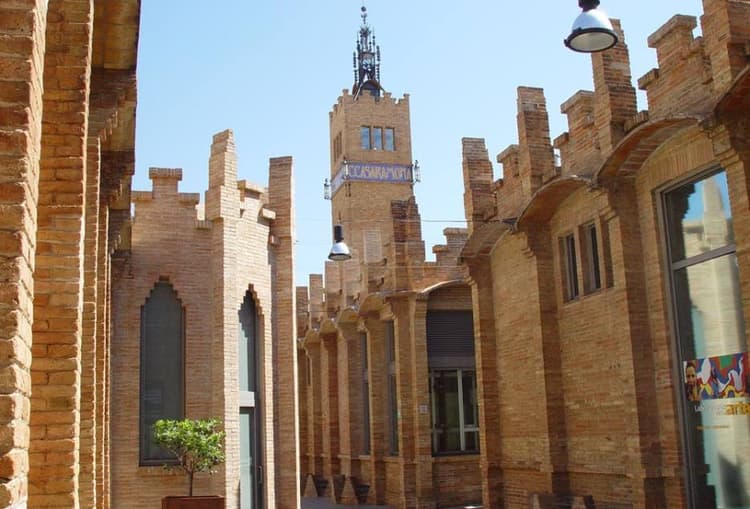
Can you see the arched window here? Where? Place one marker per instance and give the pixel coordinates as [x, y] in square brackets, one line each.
[162, 367]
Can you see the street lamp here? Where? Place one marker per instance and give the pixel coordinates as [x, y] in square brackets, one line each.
[339, 251]
[592, 31]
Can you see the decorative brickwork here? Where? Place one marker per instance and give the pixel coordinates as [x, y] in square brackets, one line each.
[584, 394]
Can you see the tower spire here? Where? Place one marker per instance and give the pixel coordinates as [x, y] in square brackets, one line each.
[366, 60]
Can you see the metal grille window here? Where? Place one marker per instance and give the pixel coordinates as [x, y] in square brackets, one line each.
[711, 343]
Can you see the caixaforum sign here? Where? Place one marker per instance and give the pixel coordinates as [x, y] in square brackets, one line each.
[372, 172]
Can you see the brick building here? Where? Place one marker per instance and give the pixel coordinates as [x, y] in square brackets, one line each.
[203, 305]
[621, 375]
[388, 407]
[72, 284]
[67, 120]
[605, 272]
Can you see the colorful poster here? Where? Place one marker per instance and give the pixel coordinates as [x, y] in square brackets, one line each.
[720, 377]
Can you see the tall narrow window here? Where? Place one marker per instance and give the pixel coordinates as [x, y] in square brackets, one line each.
[453, 399]
[569, 267]
[592, 272]
[162, 378]
[377, 138]
[390, 139]
[365, 396]
[250, 445]
[364, 134]
[390, 349]
[712, 347]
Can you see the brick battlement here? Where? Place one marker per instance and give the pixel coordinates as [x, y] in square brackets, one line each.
[692, 74]
[347, 98]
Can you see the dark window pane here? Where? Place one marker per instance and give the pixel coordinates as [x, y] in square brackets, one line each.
[247, 345]
[161, 366]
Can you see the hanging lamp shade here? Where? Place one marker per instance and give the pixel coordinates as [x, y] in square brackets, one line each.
[592, 30]
[339, 251]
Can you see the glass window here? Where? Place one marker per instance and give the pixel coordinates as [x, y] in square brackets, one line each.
[569, 267]
[454, 411]
[377, 138]
[713, 357]
[593, 277]
[390, 143]
[364, 134]
[161, 397]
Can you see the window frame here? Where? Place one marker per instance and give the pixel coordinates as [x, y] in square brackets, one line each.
[590, 259]
[167, 459]
[463, 428]
[670, 268]
[569, 267]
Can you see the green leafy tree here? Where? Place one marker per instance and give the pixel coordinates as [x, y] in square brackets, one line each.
[197, 444]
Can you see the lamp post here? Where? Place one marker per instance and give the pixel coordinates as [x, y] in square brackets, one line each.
[592, 31]
[339, 251]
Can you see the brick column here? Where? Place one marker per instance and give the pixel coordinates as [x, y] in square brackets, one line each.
[56, 371]
[331, 426]
[286, 405]
[378, 407]
[90, 377]
[315, 419]
[103, 318]
[485, 343]
[21, 63]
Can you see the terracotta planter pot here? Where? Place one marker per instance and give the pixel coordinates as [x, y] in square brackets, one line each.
[211, 502]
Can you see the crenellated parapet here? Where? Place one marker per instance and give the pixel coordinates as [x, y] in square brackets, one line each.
[683, 70]
[346, 99]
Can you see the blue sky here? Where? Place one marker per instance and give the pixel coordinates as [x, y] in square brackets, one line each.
[271, 70]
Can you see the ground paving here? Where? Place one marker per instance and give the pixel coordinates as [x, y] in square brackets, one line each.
[324, 503]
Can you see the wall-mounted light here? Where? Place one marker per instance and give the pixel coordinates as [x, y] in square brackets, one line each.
[592, 30]
[339, 251]
[416, 175]
[326, 190]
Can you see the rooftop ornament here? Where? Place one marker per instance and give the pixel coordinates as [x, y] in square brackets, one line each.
[592, 30]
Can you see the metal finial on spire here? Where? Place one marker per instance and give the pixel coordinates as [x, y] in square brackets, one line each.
[364, 13]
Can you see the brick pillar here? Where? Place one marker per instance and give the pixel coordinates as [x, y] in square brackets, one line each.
[536, 159]
[103, 318]
[314, 404]
[614, 94]
[420, 413]
[330, 391]
[21, 63]
[488, 377]
[378, 407]
[548, 348]
[90, 377]
[726, 31]
[222, 209]
[56, 371]
[286, 405]
[351, 410]
[477, 171]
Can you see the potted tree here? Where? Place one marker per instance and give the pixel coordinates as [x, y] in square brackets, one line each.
[198, 447]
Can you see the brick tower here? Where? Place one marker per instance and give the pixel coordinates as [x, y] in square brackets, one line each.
[371, 160]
